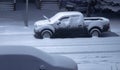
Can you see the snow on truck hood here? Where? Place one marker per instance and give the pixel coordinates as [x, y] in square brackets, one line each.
[42, 22]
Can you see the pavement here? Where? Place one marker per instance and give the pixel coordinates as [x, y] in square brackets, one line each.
[88, 53]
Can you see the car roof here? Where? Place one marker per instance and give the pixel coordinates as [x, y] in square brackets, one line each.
[69, 13]
[25, 50]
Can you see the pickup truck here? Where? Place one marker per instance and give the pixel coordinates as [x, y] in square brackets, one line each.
[71, 22]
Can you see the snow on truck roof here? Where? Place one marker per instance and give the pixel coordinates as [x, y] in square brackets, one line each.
[63, 14]
[69, 13]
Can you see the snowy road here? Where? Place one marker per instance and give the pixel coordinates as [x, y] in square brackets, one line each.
[89, 53]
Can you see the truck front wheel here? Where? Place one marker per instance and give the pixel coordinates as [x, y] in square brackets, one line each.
[95, 32]
[46, 34]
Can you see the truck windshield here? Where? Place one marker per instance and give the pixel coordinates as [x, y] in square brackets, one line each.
[55, 18]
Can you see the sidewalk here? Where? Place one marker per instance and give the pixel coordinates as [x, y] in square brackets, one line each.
[12, 22]
[15, 30]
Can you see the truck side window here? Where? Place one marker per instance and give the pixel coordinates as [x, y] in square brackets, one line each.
[74, 20]
[64, 20]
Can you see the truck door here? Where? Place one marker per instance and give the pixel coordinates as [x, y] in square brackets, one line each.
[76, 24]
[64, 22]
[62, 26]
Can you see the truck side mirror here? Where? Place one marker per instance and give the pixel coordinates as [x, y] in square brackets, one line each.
[58, 22]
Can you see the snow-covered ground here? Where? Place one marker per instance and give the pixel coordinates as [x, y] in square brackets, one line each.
[88, 53]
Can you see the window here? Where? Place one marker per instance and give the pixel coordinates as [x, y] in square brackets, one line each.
[64, 20]
[75, 19]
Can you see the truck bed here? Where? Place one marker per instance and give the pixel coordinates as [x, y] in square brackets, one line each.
[96, 20]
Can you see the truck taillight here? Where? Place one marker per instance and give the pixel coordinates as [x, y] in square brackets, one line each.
[109, 27]
[106, 27]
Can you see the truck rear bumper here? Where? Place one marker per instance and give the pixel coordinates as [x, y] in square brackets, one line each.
[106, 28]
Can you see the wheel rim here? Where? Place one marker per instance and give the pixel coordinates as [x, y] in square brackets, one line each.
[95, 34]
[46, 35]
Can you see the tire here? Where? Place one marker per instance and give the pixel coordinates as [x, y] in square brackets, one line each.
[46, 34]
[95, 32]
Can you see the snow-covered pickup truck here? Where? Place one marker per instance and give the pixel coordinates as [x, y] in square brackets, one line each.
[70, 23]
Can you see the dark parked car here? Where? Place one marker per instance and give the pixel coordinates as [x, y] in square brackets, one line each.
[29, 58]
[73, 4]
[78, 5]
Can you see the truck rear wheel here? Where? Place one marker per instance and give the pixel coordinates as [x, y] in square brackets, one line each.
[46, 34]
[95, 32]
